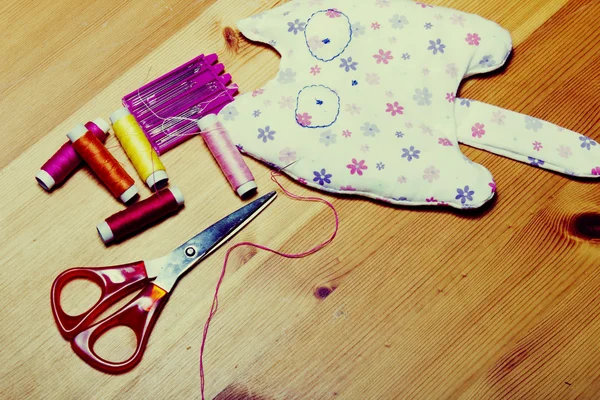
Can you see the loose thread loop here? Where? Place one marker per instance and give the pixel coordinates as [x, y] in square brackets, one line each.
[215, 304]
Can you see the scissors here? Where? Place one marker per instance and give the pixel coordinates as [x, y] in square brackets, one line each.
[156, 278]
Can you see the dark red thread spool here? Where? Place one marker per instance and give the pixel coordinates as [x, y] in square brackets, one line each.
[140, 215]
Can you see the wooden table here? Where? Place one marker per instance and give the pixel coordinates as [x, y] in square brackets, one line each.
[503, 303]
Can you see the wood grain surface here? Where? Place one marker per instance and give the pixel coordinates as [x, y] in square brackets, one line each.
[406, 303]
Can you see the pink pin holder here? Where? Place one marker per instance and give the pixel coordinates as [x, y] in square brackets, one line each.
[168, 107]
[176, 106]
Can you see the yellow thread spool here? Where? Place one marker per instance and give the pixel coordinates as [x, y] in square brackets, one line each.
[138, 149]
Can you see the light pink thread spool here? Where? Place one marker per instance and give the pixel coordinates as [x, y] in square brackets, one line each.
[227, 155]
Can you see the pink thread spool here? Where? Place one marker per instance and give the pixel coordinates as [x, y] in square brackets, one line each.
[227, 155]
[140, 215]
[66, 160]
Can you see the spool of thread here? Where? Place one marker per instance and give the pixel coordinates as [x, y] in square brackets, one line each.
[138, 149]
[106, 167]
[140, 215]
[227, 155]
[66, 160]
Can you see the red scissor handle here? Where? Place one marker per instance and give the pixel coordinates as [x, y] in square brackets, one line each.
[139, 314]
[115, 283]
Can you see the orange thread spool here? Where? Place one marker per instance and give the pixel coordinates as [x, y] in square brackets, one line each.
[104, 165]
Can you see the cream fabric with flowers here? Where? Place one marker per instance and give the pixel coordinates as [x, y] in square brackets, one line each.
[365, 102]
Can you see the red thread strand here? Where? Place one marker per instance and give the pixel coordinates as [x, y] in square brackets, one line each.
[215, 304]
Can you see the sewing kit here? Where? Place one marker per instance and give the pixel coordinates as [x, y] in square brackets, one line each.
[350, 112]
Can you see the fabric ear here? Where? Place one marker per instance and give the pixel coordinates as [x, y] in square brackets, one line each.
[526, 139]
[492, 42]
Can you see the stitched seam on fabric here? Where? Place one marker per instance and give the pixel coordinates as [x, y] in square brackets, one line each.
[306, 37]
[320, 126]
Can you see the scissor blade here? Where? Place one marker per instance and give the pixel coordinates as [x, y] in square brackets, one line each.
[197, 248]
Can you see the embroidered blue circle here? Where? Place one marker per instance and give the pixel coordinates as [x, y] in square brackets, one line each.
[327, 34]
[317, 106]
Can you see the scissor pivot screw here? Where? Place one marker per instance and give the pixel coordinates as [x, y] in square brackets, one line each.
[190, 252]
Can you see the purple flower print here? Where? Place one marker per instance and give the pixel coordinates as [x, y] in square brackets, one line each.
[487, 61]
[358, 29]
[347, 64]
[587, 142]
[596, 171]
[431, 174]
[287, 155]
[353, 109]
[266, 134]
[333, 13]
[465, 102]
[533, 124]
[465, 194]
[411, 153]
[451, 97]
[436, 46]
[398, 21]
[395, 109]
[256, 113]
[296, 26]
[535, 162]
[328, 138]
[537, 146]
[303, 119]
[322, 177]
[315, 70]
[423, 97]
[473, 39]
[369, 129]
[564, 151]
[445, 142]
[406, 56]
[399, 134]
[230, 113]
[382, 3]
[478, 130]
[380, 166]
[286, 76]
[458, 20]
[383, 56]
[357, 167]
[428, 25]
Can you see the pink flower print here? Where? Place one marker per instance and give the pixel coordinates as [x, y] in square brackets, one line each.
[478, 130]
[382, 3]
[303, 119]
[287, 155]
[423, 5]
[498, 117]
[431, 174]
[389, 94]
[426, 130]
[564, 151]
[346, 133]
[315, 42]
[408, 125]
[445, 142]
[383, 56]
[473, 39]
[452, 70]
[333, 13]
[493, 186]
[596, 171]
[537, 146]
[431, 200]
[425, 71]
[258, 92]
[347, 188]
[401, 180]
[375, 26]
[395, 109]
[302, 181]
[451, 97]
[357, 167]
[373, 79]
[315, 70]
